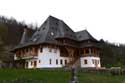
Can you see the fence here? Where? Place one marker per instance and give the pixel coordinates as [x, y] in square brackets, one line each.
[104, 71]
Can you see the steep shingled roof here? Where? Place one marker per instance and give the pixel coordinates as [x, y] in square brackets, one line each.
[65, 31]
[53, 29]
[84, 35]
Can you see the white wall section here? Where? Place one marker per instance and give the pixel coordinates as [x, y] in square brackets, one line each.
[91, 62]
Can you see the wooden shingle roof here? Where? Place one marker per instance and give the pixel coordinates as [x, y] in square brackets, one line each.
[53, 29]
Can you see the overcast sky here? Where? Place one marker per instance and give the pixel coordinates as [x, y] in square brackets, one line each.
[102, 18]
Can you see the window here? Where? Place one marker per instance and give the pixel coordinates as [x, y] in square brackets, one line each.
[50, 61]
[29, 49]
[26, 50]
[45, 22]
[57, 61]
[41, 49]
[55, 50]
[35, 63]
[81, 52]
[43, 28]
[39, 61]
[18, 53]
[87, 51]
[52, 27]
[92, 51]
[31, 63]
[50, 50]
[26, 64]
[85, 61]
[93, 61]
[98, 61]
[67, 29]
[65, 61]
[61, 61]
[56, 23]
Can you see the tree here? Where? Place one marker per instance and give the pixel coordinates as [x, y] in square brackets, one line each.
[1, 49]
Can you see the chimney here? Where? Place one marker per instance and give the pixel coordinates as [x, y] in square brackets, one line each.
[24, 36]
[25, 28]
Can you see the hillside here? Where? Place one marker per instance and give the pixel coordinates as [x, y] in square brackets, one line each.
[10, 35]
[112, 55]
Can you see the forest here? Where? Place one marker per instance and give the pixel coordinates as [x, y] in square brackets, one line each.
[10, 35]
[11, 32]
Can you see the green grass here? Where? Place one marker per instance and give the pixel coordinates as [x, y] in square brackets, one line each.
[100, 78]
[48, 76]
[59, 76]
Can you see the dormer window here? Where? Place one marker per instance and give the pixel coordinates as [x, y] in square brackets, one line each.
[52, 27]
[56, 23]
[43, 28]
[45, 22]
[67, 29]
[87, 51]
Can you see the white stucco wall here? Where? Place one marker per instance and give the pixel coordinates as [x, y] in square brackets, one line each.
[90, 62]
[45, 56]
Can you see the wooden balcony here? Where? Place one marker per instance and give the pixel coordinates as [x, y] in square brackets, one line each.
[27, 54]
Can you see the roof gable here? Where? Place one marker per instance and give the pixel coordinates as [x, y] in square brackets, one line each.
[84, 35]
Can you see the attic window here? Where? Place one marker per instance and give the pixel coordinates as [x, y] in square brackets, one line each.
[45, 22]
[56, 23]
[52, 27]
[43, 28]
[56, 29]
[67, 30]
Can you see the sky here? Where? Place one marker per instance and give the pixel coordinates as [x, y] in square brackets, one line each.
[104, 19]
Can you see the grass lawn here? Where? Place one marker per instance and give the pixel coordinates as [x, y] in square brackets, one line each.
[57, 76]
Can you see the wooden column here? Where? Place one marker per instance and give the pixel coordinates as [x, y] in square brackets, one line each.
[71, 53]
[89, 50]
